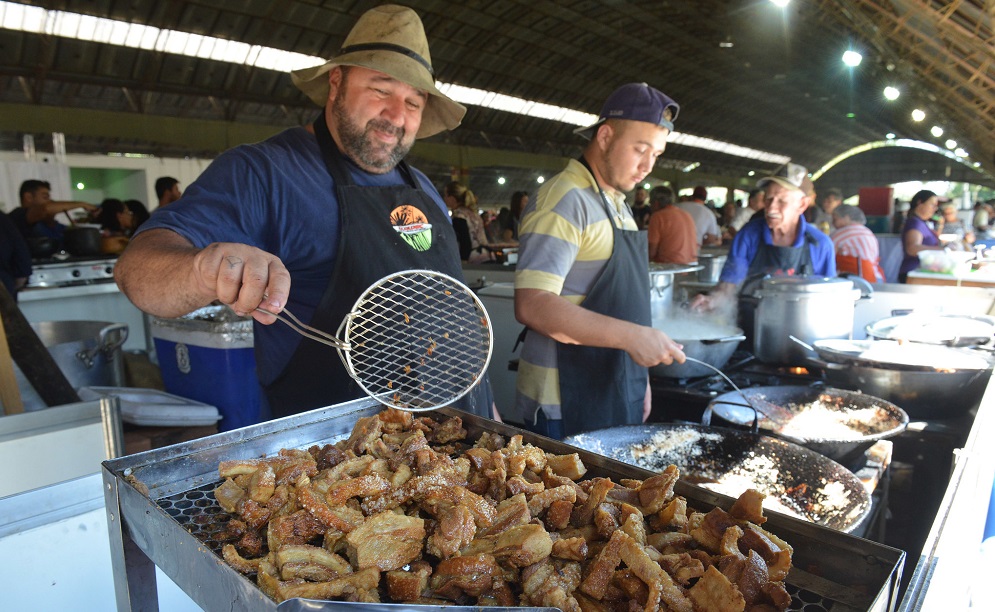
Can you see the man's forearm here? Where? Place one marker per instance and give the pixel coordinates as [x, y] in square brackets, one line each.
[157, 274]
[553, 316]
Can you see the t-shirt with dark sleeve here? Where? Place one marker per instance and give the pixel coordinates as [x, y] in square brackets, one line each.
[275, 195]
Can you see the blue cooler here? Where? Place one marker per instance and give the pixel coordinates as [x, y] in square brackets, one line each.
[208, 356]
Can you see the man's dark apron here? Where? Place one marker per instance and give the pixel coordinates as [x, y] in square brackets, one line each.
[603, 387]
[783, 260]
[369, 249]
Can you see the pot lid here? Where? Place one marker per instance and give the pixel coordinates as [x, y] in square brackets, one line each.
[946, 329]
[673, 268]
[891, 354]
[805, 284]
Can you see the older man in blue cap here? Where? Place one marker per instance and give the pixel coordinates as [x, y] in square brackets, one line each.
[582, 278]
[780, 244]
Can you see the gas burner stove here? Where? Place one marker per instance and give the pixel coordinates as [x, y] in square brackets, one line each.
[71, 272]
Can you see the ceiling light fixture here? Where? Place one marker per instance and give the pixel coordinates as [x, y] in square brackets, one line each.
[646, 186]
[890, 136]
[750, 173]
[780, 3]
[80, 186]
[851, 58]
[918, 115]
[501, 180]
[960, 152]
[891, 93]
[936, 131]
[37, 20]
[951, 143]
[540, 179]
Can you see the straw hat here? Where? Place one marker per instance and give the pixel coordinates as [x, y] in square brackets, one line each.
[389, 39]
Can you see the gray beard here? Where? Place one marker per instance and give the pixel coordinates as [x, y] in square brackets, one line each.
[357, 144]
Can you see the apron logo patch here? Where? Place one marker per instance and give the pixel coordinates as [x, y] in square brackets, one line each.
[413, 227]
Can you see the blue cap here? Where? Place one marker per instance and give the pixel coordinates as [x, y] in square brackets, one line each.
[636, 102]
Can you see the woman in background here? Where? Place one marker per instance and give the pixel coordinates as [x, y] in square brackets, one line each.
[141, 214]
[463, 205]
[917, 235]
[117, 223]
[509, 231]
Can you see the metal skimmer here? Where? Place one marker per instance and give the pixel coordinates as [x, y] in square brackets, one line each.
[416, 340]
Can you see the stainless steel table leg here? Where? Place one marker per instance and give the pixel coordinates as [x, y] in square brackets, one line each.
[134, 573]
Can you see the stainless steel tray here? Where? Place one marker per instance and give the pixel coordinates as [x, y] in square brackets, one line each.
[831, 569]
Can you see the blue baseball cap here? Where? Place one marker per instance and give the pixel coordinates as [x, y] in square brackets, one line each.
[636, 102]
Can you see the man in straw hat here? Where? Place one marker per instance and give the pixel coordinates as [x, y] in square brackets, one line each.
[582, 278]
[782, 243]
[330, 207]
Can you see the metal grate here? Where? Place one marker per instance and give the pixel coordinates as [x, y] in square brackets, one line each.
[418, 339]
[198, 513]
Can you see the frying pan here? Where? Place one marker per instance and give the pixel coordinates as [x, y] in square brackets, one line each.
[796, 480]
[869, 418]
[927, 381]
[713, 344]
[936, 329]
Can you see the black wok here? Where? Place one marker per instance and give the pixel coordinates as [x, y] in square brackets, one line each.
[42, 246]
[928, 382]
[837, 423]
[796, 480]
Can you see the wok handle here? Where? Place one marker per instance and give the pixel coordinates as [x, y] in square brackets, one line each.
[825, 365]
[706, 416]
[738, 338]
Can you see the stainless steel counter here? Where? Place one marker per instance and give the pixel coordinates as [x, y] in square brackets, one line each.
[41, 448]
[950, 573]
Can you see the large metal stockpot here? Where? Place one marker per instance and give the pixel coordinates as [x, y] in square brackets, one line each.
[711, 266]
[662, 288]
[809, 308]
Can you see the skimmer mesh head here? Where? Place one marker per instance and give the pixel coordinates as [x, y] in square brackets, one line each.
[417, 340]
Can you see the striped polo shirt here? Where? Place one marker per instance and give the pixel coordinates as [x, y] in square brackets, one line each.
[565, 241]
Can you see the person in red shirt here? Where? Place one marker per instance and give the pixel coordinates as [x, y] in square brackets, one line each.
[857, 249]
[671, 231]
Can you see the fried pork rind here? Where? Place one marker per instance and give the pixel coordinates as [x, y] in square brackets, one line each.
[715, 593]
[407, 509]
[386, 541]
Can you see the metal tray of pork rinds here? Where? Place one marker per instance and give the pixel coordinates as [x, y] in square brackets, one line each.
[157, 499]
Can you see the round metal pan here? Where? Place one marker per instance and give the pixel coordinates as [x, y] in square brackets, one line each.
[909, 356]
[933, 390]
[713, 345]
[797, 481]
[942, 329]
[863, 419]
